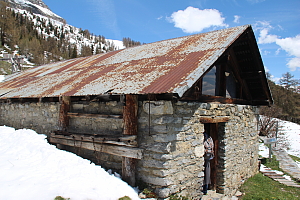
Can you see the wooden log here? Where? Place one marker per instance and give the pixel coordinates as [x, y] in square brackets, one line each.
[130, 152]
[212, 120]
[88, 115]
[130, 112]
[108, 139]
[63, 113]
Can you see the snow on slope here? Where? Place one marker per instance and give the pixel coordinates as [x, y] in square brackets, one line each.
[288, 139]
[2, 77]
[291, 131]
[73, 34]
[41, 8]
[30, 168]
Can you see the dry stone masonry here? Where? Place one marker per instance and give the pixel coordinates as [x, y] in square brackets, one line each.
[171, 135]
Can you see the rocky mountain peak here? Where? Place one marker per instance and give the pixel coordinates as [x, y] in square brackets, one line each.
[34, 6]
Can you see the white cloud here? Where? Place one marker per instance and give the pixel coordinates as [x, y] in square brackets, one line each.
[264, 36]
[266, 52]
[236, 19]
[255, 1]
[290, 44]
[159, 18]
[294, 63]
[193, 20]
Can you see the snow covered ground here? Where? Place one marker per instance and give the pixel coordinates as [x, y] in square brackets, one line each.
[289, 139]
[31, 168]
[291, 132]
[2, 77]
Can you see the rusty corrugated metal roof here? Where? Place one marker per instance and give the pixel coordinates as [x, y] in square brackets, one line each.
[170, 66]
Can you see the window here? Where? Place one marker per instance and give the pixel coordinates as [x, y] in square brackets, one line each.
[230, 84]
[219, 81]
[209, 82]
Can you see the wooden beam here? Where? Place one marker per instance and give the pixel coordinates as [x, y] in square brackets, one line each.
[63, 113]
[236, 70]
[130, 111]
[88, 115]
[130, 116]
[130, 152]
[121, 140]
[214, 119]
[208, 98]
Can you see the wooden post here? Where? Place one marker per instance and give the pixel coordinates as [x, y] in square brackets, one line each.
[130, 112]
[63, 113]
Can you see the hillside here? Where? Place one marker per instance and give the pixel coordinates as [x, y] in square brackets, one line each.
[34, 6]
[286, 96]
[30, 30]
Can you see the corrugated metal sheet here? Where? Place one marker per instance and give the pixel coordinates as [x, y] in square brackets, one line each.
[170, 66]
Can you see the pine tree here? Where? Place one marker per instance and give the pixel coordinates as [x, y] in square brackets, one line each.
[74, 52]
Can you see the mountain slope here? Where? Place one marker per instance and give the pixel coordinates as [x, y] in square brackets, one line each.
[34, 6]
[42, 37]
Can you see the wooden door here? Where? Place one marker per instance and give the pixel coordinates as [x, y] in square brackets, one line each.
[212, 130]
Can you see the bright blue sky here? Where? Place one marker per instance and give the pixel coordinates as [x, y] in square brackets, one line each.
[276, 23]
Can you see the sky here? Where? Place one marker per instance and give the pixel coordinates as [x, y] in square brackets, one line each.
[276, 23]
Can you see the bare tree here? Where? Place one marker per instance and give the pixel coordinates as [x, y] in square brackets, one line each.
[268, 121]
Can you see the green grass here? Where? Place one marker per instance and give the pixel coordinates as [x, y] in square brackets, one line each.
[125, 198]
[262, 187]
[5, 68]
[272, 163]
[295, 158]
[61, 198]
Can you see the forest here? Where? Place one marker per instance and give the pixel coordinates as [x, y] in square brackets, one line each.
[42, 40]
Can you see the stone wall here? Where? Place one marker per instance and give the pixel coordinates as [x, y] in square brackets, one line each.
[41, 117]
[170, 134]
[172, 138]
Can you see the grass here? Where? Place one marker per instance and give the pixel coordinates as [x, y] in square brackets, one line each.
[295, 158]
[61, 198]
[5, 68]
[263, 187]
[272, 163]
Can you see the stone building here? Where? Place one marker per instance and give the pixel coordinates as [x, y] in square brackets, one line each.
[142, 111]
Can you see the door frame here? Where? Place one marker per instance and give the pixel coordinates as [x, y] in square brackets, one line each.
[212, 130]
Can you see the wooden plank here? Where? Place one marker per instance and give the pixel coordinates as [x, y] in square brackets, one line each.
[130, 152]
[63, 111]
[130, 111]
[117, 140]
[213, 120]
[208, 98]
[130, 116]
[89, 115]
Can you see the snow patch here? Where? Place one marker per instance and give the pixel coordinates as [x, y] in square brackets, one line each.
[31, 168]
[2, 77]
